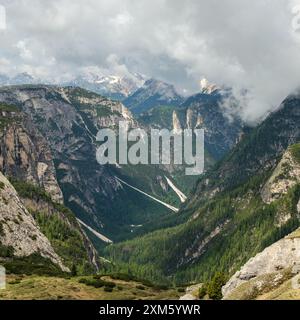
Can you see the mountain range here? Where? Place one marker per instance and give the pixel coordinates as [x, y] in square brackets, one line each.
[62, 212]
[113, 86]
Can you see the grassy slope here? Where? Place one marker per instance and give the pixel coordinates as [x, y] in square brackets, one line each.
[52, 288]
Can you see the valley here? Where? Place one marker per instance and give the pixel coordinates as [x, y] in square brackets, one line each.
[150, 221]
[149, 151]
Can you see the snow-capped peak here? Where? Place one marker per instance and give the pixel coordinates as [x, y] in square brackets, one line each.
[207, 87]
[110, 84]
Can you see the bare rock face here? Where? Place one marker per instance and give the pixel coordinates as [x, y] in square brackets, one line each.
[18, 228]
[285, 176]
[267, 267]
[176, 123]
[109, 117]
[25, 154]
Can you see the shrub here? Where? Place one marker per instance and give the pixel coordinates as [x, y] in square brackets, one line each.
[161, 287]
[214, 288]
[108, 289]
[122, 276]
[203, 291]
[33, 264]
[96, 283]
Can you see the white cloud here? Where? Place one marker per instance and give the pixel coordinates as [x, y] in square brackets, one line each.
[25, 53]
[121, 19]
[244, 44]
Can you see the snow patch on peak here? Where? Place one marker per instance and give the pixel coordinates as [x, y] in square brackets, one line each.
[109, 84]
[207, 87]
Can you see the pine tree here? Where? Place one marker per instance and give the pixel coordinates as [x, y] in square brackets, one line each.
[214, 288]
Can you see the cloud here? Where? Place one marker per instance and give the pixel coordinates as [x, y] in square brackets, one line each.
[242, 44]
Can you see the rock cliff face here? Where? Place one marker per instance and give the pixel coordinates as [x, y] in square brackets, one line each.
[18, 229]
[201, 111]
[24, 152]
[176, 123]
[285, 176]
[267, 270]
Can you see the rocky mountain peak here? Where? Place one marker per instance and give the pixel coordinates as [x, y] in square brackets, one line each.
[207, 87]
[111, 85]
[166, 90]
[152, 94]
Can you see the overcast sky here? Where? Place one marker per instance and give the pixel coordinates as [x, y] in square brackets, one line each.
[239, 43]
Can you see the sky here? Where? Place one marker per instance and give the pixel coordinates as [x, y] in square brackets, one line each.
[253, 45]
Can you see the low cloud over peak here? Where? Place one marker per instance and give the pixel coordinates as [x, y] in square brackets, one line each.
[253, 45]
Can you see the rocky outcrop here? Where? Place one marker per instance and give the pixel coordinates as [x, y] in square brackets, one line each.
[192, 292]
[266, 270]
[285, 176]
[18, 228]
[176, 123]
[199, 122]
